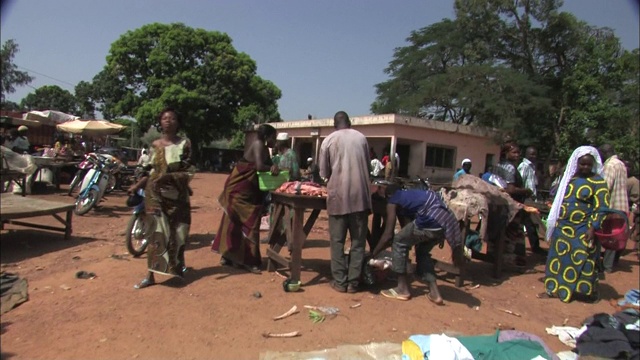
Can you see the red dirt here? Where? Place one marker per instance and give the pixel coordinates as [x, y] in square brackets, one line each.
[214, 313]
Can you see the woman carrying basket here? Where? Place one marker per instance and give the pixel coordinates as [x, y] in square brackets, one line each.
[577, 211]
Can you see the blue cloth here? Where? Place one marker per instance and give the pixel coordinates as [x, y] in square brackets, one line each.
[486, 176]
[408, 201]
[458, 174]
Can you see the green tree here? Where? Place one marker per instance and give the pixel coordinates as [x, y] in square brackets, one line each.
[50, 97]
[542, 76]
[85, 100]
[11, 76]
[197, 72]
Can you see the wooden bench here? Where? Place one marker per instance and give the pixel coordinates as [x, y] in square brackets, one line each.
[14, 207]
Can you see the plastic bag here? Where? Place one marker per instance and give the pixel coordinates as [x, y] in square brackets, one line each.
[497, 181]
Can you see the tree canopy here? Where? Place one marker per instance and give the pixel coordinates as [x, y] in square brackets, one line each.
[50, 97]
[11, 76]
[197, 72]
[542, 76]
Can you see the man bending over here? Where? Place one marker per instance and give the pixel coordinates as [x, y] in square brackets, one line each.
[433, 223]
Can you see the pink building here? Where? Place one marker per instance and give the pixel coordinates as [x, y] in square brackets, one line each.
[428, 148]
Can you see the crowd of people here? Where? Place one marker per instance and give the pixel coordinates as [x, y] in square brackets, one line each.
[593, 182]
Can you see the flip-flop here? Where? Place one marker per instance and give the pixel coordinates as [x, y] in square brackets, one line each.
[144, 283]
[393, 294]
[439, 303]
[545, 295]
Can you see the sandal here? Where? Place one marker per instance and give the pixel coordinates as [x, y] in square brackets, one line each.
[144, 283]
[252, 269]
[393, 294]
[437, 302]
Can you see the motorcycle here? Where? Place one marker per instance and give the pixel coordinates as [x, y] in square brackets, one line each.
[140, 226]
[94, 184]
[83, 168]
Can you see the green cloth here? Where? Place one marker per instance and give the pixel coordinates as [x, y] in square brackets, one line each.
[487, 347]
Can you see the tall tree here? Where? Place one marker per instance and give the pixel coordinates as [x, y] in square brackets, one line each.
[11, 76]
[197, 72]
[50, 97]
[523, 66]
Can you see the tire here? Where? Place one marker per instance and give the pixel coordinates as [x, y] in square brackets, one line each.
[111, 185]
[86, 203]
[76, 181]
[135, 238]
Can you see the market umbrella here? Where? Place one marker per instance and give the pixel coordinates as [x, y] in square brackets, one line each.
[90, 127]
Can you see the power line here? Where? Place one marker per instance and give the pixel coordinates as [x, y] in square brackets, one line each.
[50, 77]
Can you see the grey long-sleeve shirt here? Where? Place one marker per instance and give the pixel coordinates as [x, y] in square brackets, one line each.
[344, 160]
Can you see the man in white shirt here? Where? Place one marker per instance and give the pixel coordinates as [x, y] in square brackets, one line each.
[527, 170]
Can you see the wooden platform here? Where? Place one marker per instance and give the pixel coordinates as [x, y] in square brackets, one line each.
[14, 207]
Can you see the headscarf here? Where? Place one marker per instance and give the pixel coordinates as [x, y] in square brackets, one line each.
[569, 172]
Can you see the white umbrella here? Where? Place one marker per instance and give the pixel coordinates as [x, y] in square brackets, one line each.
[90, 127]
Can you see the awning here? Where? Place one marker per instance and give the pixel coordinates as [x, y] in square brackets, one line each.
[90, 127]
[17, 121]
[49, 117]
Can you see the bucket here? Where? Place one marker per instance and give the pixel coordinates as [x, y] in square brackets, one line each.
[614, 231]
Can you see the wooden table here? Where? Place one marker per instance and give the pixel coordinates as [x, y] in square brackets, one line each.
[52, 164]
[8, 176]
[289, 211]
[16, 207]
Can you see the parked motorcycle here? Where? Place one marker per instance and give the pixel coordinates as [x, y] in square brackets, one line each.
[140, 225]
[94, 184]
[83, 167]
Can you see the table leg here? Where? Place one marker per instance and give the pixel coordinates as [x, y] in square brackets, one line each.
[67, 226]
[497, 267]
[296, 243]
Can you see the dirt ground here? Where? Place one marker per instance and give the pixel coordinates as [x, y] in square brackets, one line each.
[214, 313]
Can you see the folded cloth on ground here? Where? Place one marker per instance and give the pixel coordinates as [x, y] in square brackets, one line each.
[566, 334]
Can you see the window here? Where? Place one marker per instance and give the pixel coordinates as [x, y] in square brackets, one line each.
[440, 156]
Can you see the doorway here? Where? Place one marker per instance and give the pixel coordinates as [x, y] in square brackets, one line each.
[403, 151]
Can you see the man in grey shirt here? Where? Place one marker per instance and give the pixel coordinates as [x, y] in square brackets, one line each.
[344, 163]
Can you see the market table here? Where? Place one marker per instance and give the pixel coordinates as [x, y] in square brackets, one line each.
[52, 164]
[289, 210]
[16, 207]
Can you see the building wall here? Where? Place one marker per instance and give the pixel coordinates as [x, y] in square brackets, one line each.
[467, 141]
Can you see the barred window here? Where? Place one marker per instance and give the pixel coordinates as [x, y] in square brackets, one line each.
[440, 156]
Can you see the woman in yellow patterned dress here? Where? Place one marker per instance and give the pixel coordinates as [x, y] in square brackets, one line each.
[577, 211]
[167, 202]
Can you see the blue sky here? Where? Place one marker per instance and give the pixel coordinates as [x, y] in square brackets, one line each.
[324, 55]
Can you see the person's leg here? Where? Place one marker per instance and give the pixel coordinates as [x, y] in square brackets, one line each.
[402, 243]
[358, 228]
[337, 235]
[429, 275]
[532, 234]
[608, 260]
